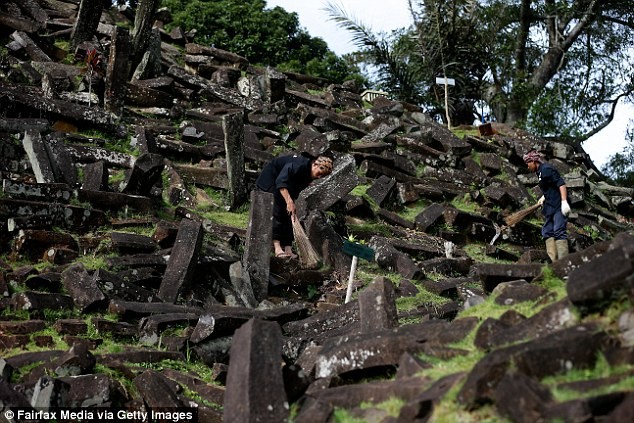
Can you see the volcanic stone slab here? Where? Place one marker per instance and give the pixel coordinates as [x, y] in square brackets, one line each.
[233, 128]
[129, 309]
[258, 240]
[385, 348]
[93, 154]
[430, 216]
[38, 156]
[228, 95]
[71, 327]
[318, 325]
[207, 391]
[389, 257]
[93, 390]
[157, 390]
[34, 243]
[594, 285]
[145, 173]
[50, 192]
[114, 328]
[151, 327]
[138, 356]
[256, 352]
[327, 191]
[114, 286]
[521, 398]
[183, 259]
[115, 200]
[207, 176]
[381, 190]
[377, 306]
[49, 393]
[492, 274]
[129, 243]
[539, 358]
[21, 327]
[82, 288]
[12, 97]
[40, 301]
[156, 261]
[117, 71]
[394, 219]
[349, 396]
[422, 406]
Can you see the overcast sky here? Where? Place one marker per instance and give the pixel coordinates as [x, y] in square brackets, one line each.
[386, 15]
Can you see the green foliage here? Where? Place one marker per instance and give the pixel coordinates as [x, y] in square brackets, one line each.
[237, 219]
[620, 167]
[465, 204]
[22, 371]
[410, 211]
[423, 298]
[558, 76]
[92, 262]
[264, 36]
[394, 72]
[478, 253]
[601, 370]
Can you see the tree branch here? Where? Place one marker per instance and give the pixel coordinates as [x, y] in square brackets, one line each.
[608, 120]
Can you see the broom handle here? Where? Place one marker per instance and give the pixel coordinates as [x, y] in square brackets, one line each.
[353, 270]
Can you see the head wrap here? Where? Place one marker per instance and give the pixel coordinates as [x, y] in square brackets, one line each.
[532, 156]
[325, 163]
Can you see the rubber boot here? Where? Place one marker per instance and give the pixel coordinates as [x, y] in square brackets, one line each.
[551, 248]
[562, 248]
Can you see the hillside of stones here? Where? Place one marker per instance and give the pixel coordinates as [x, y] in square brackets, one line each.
[136, 271]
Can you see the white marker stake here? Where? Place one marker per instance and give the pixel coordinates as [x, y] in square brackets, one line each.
[353, 270]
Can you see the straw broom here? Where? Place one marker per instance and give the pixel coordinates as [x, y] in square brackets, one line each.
[517, 217]
[308, 257]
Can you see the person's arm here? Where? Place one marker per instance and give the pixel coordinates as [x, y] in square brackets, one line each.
[290, 204]
[565, 207]
[563, 192]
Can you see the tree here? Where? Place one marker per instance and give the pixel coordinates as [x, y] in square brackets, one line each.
[264, 36]
[620, 166]
[560, 67]
[556, 67]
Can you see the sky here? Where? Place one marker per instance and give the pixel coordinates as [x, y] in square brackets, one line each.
[384, 16]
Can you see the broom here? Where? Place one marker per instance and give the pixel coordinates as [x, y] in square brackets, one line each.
[517, 217]
[308, 257]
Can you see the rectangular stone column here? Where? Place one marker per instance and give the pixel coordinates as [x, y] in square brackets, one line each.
[117, 72]
[87, 21]
[233, 127]
[182, 261]
[377, 306]
[257, 252]
[255, 387]
[38, 157]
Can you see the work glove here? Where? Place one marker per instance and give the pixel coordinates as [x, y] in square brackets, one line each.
[565, 208]
[541, 200]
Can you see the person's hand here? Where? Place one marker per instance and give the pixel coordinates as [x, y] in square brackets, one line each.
[290, 207]
[565, 208]
[541, 200]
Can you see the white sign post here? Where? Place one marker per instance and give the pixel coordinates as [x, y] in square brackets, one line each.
[446, 82]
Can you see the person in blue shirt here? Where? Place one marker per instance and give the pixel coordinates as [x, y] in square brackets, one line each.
[285, 177]
[554, 202]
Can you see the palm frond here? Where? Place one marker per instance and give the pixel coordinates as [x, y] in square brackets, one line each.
[362, 35]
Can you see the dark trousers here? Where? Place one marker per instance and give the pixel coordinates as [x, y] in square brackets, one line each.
[555, 226]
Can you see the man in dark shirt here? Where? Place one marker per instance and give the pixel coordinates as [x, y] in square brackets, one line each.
[285, 177]
[555, 208]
